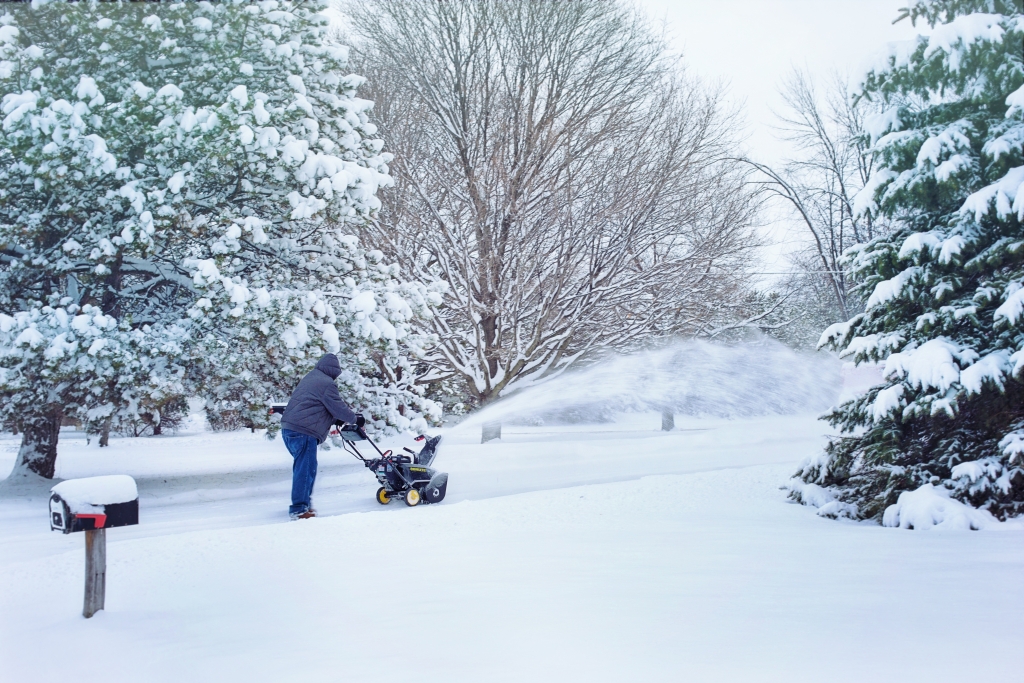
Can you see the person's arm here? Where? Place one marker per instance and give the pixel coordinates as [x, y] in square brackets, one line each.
[338, 409]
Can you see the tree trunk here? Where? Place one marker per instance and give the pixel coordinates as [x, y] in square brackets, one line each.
[105, 433]
[38, 452]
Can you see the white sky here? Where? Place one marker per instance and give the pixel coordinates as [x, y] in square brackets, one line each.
[753, 44]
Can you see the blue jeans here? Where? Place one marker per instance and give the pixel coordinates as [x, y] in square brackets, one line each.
[303, 450]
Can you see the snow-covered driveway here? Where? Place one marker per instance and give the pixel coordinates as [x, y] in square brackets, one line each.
[203, 480]
[560, 554]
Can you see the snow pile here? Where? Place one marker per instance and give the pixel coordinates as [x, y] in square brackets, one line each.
[94, 491]
[931, 507]
[821, 498]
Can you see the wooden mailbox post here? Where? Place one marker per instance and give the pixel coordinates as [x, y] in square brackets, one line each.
[93, 505]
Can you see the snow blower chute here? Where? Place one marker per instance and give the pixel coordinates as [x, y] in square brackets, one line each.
[408, 477]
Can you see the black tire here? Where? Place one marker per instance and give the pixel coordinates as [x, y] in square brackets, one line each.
[382, 496]
[412, 498]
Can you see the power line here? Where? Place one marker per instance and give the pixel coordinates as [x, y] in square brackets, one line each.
[801, 272]
[789, 272]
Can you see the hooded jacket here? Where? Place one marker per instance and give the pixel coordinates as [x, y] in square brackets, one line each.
[316, 403]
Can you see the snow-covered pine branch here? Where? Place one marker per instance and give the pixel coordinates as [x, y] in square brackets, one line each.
[944, 292]
[197, 167]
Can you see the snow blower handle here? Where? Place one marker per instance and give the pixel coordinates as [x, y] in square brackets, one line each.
[363, 433]
[360, 424]
[359, 429]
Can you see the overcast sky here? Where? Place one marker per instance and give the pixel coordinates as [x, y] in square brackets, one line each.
[753, 44]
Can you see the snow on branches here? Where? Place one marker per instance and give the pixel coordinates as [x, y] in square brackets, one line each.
[76, 362]
[265, 338]
[572, 204]
[145, 147]
[945, 293]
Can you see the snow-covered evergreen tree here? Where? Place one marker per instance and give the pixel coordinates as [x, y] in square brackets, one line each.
[177, 185]
[945, 293]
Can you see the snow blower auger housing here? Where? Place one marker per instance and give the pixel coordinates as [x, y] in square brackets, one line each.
[408, 477]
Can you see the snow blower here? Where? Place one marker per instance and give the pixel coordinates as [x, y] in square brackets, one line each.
[408, 477]
[400, 476]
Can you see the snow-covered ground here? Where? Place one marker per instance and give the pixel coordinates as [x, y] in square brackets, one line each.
[610, 552]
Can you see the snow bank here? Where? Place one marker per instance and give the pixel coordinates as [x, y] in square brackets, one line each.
[931, 507]
[85, 493]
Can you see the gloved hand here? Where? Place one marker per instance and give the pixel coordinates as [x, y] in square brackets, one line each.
[360, 421]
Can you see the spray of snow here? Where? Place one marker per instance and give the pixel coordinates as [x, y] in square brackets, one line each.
[689, 378]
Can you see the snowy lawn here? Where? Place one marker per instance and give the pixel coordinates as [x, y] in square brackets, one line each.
[608, 552]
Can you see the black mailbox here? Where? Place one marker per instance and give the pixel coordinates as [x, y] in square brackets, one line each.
[94, 503]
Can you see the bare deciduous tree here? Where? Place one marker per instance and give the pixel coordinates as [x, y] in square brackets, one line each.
[832, 163]
[553, 166]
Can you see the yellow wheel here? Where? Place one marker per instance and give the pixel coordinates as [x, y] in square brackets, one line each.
[412, 497]
[382, 496]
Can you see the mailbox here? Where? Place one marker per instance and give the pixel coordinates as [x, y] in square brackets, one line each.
[94, 503]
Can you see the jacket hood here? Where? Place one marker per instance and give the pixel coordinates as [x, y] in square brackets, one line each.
[329, 365]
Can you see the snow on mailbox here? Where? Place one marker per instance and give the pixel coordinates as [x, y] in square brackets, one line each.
[93, 505]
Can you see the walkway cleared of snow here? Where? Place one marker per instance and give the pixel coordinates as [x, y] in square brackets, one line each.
[573, 555]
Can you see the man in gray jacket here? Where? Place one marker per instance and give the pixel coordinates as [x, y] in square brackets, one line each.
[308, 417]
